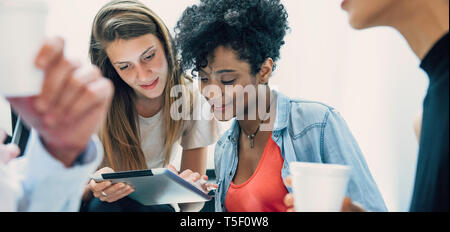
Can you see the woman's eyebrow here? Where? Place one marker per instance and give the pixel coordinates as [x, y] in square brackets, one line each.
[121, 62]
[125, 62]
[204, 73]
[148, 49]
[225, 71]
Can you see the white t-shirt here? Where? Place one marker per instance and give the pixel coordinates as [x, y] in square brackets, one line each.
[197, 132]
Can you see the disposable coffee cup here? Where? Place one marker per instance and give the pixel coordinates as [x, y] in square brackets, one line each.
[319, 187]
[22, 25]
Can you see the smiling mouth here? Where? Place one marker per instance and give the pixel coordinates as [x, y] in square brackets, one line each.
[220, 108]
[150, 86]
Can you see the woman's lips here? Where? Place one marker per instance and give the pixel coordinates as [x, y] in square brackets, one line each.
[151, 86]
[220, 108]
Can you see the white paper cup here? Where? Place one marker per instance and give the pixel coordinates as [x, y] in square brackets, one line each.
[22, 25]
[319, 187]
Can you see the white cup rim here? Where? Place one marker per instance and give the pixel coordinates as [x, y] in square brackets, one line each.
[311, 168]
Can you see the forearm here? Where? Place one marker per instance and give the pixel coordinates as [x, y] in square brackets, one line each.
[40, 172]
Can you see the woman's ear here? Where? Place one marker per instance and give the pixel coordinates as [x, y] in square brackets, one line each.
[266, 71]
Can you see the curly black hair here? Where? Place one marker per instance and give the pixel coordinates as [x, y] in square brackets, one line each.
[255, 29]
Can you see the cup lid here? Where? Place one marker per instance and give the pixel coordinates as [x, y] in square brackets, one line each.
[24, 4]
[318, 168]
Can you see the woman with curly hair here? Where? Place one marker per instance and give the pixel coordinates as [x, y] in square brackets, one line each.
[233, 47]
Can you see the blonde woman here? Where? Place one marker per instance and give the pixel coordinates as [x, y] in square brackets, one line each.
[134, 49]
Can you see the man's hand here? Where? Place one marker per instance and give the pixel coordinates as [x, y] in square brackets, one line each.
[72, 105]
[7, 152]
[349, 206]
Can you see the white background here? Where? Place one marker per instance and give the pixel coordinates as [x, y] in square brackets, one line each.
[371, 77]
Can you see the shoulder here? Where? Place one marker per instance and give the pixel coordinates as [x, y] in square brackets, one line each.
[310, 111]
[305, 115]
[199, 123]
[196, 107]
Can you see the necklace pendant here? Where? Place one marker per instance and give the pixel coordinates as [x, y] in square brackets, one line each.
[252, 140]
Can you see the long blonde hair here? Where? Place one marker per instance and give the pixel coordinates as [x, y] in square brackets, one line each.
[127, 19]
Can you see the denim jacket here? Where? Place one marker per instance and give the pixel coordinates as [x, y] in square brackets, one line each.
[308, 132]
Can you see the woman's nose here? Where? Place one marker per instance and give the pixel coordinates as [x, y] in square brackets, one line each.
[143, 72]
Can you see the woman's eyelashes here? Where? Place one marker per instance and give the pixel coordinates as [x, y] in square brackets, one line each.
[205, 80]
[149, 57]
[224, 80]
[145, 58]
[124, 67]
[227, 82]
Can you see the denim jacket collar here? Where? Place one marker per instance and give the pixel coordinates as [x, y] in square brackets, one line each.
[283, 111]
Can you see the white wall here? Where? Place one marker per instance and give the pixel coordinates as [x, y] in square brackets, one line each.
[370, 76]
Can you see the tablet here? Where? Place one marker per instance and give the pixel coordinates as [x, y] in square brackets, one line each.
[157, 186]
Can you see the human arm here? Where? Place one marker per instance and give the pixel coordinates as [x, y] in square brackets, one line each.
[71, 107]
[61, 152]
[339, 146]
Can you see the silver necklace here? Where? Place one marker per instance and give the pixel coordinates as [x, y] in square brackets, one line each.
[251, 137]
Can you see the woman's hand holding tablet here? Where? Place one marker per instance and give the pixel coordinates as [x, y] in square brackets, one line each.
[106, 190]
[200, 181]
